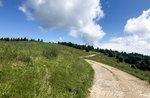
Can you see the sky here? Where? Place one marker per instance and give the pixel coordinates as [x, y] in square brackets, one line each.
[122, 25]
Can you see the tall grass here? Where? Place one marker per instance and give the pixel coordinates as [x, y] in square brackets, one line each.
[50, 52]
[39, 70]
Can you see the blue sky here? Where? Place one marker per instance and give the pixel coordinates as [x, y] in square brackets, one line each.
[15, 22]
[117, 12]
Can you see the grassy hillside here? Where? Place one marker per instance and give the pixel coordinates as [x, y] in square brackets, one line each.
[40, 70]
[144, 75]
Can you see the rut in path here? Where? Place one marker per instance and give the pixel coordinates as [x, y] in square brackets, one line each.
[110, 82]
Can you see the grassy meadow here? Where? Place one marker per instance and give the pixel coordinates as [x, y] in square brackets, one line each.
[43, 70]
[111, 61]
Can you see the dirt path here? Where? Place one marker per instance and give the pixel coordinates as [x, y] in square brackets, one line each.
[89, 56]
[110, 82]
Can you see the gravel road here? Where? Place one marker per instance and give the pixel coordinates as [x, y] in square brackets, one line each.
[110, 82]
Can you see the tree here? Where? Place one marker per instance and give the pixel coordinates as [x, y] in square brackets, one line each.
[38, 40]
[87, 50]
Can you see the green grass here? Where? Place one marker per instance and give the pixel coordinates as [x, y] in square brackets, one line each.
[40, 70]
[144, 75]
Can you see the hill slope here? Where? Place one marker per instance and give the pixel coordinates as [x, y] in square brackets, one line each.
[38, 70]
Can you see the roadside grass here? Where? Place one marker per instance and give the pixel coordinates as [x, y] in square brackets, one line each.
[144, 75]
[41, 70]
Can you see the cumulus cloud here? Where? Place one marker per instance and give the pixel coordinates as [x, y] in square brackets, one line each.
[1, 4]
[138, 38]
[78, 17]
[139, 25]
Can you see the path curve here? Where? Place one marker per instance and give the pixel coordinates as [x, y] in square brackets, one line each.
[110, 82]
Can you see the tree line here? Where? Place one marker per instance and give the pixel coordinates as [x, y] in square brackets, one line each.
[82, 47]
[137, 61]
[20, 39]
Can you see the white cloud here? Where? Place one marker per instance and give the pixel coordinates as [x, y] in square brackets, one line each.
[78, 17]
[129, 44]
[60, 39]
[139, 25]
[1, 4]
[24, 10]
[138, 39]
